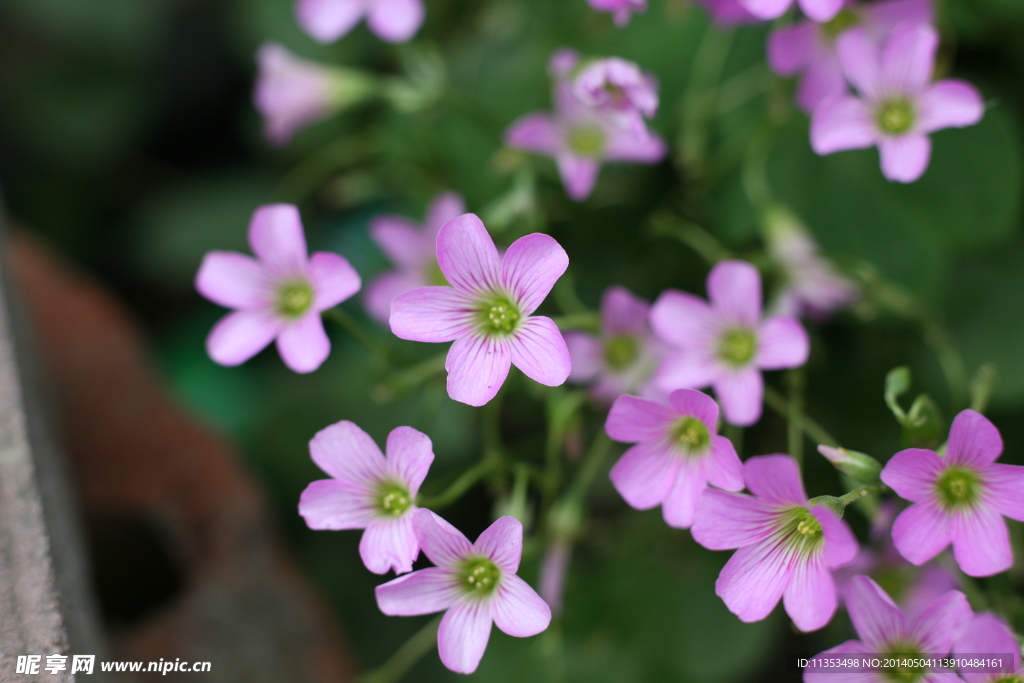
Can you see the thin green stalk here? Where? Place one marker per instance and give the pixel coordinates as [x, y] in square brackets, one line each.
[317, 168]
[692, 235]
[462, 483]
[735, 434]
[344, 320]
[795, 419]
[410, 377]
[587, 320]
[406, 656]
[593, 459]
[813, 430]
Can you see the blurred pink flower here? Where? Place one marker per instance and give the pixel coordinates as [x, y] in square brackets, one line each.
[553, 570]
[818, 10]
[620, 9]
[728, 12]
[620, 90]
[395, 21]
[988, 633]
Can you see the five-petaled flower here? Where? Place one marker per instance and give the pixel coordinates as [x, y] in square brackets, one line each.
[279, 296]
[677, 453]
[959, 498]
[618, 89]
[726, 344]
[369, 491]
[898, 105]
[987, 633]
[787, 548]
[475, 582]
[620, 9]
[395, 21]
[487, 310]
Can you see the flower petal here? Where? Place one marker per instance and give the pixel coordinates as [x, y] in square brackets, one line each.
[395, 21]
[477, 367]
[643, 475]
[875, 616]
[681, 500]
[624, 144]
[840, 544]
[463, 634]
[687, 369]
[821, 10]
[981, 541]
[791, 49]
[973, 440]
[740, 392]
[912, 473]
[432, 314]
[530, 268]
[782, 342]
[401, 240]
[776, 478]
[333, 505]
[905, 158]
[586, 355]
[467, 256]
[442, 209]
[443, 544]
[234, 280]
[841, 123]
[422, 592]
[538, 349]
[684, 320]
[622, 312]
[754, 579]
[810, 598]
[518, 610]
[534, 133]
[859, 57]
[950, 103]
[987, 632]
[766, 9]
[633, 419]
[696, 404]
[333, 278]
[1004, 484]
[384, 288]
[276, 237]
[579, 175]
[908, 59]
[937, 627]
[724, 521]
[734, 288]
[502, 543]
[829, 675]
[883, 17]
[822, 81]
[239, 336]
[409, 454]
[303, 344]
[328, 20]
[389, 544]
[724, 467]
[921, 532]
[348, 454]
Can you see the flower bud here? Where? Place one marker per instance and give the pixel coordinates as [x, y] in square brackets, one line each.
[860, 467]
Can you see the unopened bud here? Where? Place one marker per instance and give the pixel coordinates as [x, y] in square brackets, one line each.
[860, 467]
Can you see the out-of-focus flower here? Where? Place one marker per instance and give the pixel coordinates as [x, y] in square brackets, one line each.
[726, 344]
[818, 10]
[278, 295]
[883, 628]
[809, 48]
[477, 585]
[553, 570]
[678, 452]
[369, 491]
[728, 12]
[621, 9]
[487, 310]
[620, 90]
[625, 354]
[395, 21]
[787, 548]
[898, 105]
[293, 93]
[959, 498]
[987, 633]
[410, 248]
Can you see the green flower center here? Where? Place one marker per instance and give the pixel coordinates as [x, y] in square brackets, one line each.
[498, 316]
[846, 19]
[737, 346]
[433, 275]
[587, 141]
[1012, 678]
[392, 499]
[900, 674]
[294, 299]
[896, 116]
[620, 352]
[958, 487]
[802, 530]
[478, 576]
[692, 435]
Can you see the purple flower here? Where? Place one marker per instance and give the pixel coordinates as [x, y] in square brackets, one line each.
[395, 21]
[986, 634]
[677, 453]
[624, 356]
[477, 585]
[726, 344]
[818, 10]
[898, 105]
[620, 9]
[960, 498]
[727, 12]
[809, 48]
[411, 248]
[279, 296]
[581, 138]
[884, 629]
[487, 310]
[787, 548]
[620, 90]
[369, 491]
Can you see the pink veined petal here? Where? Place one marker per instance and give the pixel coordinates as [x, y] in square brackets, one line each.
[477, 367]
[754, 579]
[776, 478]
[921, 532]
[410, 454]
[1003, 486]
[467, 256]
[276, 237]
[912, 473]
[724, 467]
[766, 9]
[384, 288]
[443, 544]
[644, 474]
[823, 80]
[740, 392]
[973, 440]
[680, 502]
[850, 647]
[792, 48]
[395, 21]
[234, 280]
[578, 175]
[348, 454]
[538, 349]
[502, 543]
[882, 17]
[389, 544]
[908, 59]
[334, 505]
[693, 403]
[444, 208]
[936, 628]
[622, 312]
[876, 618]
[986, 632]
[981, 541]
[303, 344]
[401, 240]
[684, 320]
[432, 314]
[951, 103]
[624, 144]
[586, 354]
[633, 419]
[905, 158]
[686, 369]
[463, 634]
[239, 336]
[724, 521]
[858, 56]
[841, 123]
[734, 288]
[328, 20]
[333, 278]
[530, 268]
[810, 598]
[782, 342]
[534, 133]
[840, 545]
[422, 592]
[821, 10]
[518, 610]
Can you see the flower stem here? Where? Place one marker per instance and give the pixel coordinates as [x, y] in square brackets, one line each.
[406, 656]
[795, 419]
[858, 493]
[410, 377]
[462, 483]
[814, 431]
[342, 318]
[587, 320]
[692, 235]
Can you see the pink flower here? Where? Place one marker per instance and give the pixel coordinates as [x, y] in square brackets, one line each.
[411, 248]
[553, 570]
[986, 634]
[487, 310]
[960, 498]
[677, 453]
[279, 296]
[809, 48]
[620, 9]
[395, 21]
[818, 10]
[787, 547]
[620, 90]
[898, 105]
[369, 491]
[624, 356]
[728, 12]
[883, 628]
[726, 344]
[477, 585]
